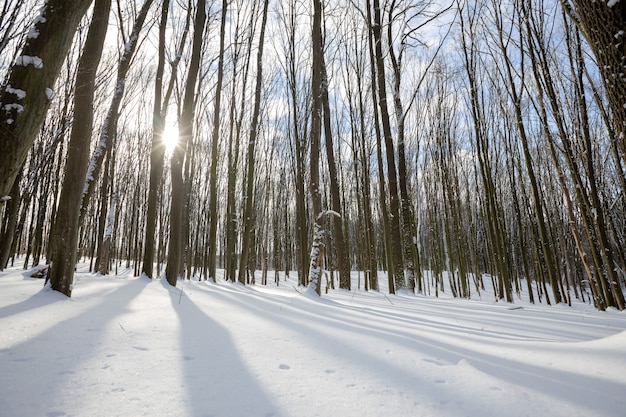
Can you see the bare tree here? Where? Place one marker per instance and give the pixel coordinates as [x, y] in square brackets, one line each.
[396, 267]
[213, 196]
[241, 46]
[317, 246]
[108, 130]
[176, 244]
[248, 215]
[157, 150]
[343, 263]
[299, 117]
[64, 234]
[603, 24]
[27, 92]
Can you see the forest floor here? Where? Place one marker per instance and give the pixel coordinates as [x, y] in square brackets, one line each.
[125, 346]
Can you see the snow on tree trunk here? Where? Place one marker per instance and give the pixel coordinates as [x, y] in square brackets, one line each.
[318, 250]
[27, 93]
[109, 127]
[315, 258]
[108, 234]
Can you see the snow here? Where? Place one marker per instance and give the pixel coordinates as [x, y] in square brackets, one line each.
[33, 33]
[124, 346]
[612, 3]
[16, 91]
[26, 60]
[13, 106]
[40, 19]
[333, 213]
[110, 219]
[49, 93]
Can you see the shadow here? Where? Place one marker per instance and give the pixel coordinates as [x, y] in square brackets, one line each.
[218, 381]
[455, 344]
[37, 376]
[457, 348]
[41, 298]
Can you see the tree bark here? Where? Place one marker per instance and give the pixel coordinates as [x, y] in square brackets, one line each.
[176, 244]
[214, 150]
[248, 215]
[64, 233]
[28, 90]
[157, 149]
[397, 267]
[315, 266]
[343, 263]
[603, 24]
[108, 130]
[9, 224]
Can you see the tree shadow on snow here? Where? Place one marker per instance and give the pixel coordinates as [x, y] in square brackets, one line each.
[39, 299]
[38, 374]
[218, 381]
[571, 387]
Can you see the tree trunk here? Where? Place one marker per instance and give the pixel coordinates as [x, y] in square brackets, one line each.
[236, 116]
[214, 159]
[317, 246]
[379, 157]
[9, 223]
[603, 24]
[248, 215]
[28, 91]
[176, 244]
[407, 223]
[544, 241]
[157, 150]
[105, 252]
[108, 130]
[397, 267]
[343, 263]
[64, 233]
[609, 293]
[492, 211]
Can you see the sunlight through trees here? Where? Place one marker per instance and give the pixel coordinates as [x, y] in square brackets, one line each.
[444, 143]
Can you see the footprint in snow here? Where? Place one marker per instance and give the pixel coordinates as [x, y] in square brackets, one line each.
[283, 366]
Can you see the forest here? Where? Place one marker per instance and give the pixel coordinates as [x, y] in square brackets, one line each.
[436, 144]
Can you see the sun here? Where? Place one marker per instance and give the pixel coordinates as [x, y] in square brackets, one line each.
[170, 136]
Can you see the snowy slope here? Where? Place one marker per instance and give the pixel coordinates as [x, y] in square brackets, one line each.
[125, 346]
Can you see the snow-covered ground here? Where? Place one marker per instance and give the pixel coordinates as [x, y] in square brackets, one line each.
[124, 346]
